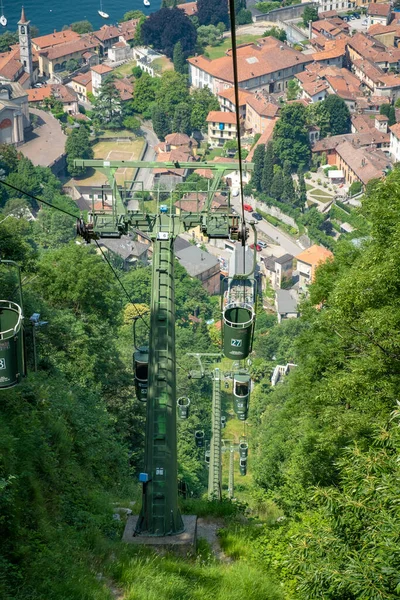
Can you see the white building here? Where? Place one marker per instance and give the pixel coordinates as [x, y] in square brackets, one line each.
[221, 127]
[338, 5]
[99, 73]
[14, 113]
[395, 142]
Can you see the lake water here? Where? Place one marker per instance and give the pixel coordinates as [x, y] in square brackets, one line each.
[48, 15]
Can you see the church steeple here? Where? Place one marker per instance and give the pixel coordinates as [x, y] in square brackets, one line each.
[25, 44]
[22, 20]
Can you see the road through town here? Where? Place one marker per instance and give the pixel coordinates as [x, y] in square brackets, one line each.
[289, 244]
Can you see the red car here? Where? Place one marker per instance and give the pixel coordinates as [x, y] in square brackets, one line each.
[248, 207]
[258, 248]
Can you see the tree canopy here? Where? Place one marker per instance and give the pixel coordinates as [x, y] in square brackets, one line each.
[78, 146]
[291, 142]
[339, 115]
[211, 13]
[165, 28]
[107, 110]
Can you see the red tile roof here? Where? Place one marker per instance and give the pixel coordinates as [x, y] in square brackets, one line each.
[395, 129]
[229, 94]
[265, 56]
[101, 69]
[365, 163]
[83, 78]
[128, 29]
[314, 256]
[266, 136]
[107, 32]
[61, 92]
[53, 39]
[125, 88]
[218, 116]
[189, 8]
[379, 10]
[262, 106]
[61, 50]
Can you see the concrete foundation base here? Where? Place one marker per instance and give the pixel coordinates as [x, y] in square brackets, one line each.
[183, 543]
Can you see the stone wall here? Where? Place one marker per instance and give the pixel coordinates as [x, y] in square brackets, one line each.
[285, 13]
[274, 211]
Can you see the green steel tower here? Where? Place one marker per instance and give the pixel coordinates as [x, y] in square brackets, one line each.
[215, 469]
[159, 514]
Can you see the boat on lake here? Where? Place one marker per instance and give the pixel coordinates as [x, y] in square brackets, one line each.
[101, 12]
[3, 20]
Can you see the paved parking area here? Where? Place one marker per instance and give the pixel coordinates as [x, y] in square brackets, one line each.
[46, 142]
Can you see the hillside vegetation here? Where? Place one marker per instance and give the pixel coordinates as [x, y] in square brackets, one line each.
[323, 519]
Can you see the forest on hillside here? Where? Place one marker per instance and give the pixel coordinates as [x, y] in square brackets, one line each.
[322, 518]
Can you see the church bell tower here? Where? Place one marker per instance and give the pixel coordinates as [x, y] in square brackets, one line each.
[25, 44]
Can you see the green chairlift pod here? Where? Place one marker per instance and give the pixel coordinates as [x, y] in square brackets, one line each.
[240, 405]
[242, 416]
[183, 404]
[12, 347]
[207, 456]
[199, 438]
[241, 386]
[141, 370]
[238, 307]
[241, 395]
[243, 449]
[223, 422]
[243, 466]
[12, 360]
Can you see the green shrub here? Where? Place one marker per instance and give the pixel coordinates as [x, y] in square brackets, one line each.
[355, 188]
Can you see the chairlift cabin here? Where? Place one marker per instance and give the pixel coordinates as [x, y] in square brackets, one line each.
[243, 466]
[141, 370]
[199, 438]
[242, 416]
[241, 386]
[238, 306]
[243, 449]
[183, 404]
[241, 395]
[12, 360]
[12, 348]
[207, 456]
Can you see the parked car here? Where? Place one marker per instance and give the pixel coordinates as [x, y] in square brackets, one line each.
[352, 18]
[235, 192]
[346, 19]
[262, 244]
[357, 15]
[248, 207]
[258, 247]
[256, 216]
[365, 22]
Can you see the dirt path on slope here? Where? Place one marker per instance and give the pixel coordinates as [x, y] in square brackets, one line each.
[207, 529]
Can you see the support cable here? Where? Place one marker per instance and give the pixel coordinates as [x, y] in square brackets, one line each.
[70, 214]
[232, 18]
[99, 247]
[66, 212]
